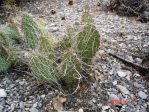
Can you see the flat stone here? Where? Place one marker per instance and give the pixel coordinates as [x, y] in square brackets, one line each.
[54, 29]
[81, 110]
[114, 83]
[138, 60]
[33, 110]
[105, 108]
[123, 89]
[3, 93]
[113, 97]
[121, 73]
[142, 95]
[137, 85]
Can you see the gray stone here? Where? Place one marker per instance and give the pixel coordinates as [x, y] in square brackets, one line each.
[146, 14]
[142, 95]
[123, 89]
[35, 104]
[33, 110]
[114, 83]
[136, 84]
[138, 60]
[113, 97]
[3, 93]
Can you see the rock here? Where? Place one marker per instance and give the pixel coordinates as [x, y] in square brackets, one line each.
[3, 93]
[35, 104]
[123, 89]
[130, 58]
[114, 83]
[33, 110]
[102, 54]
[54, 29]
[81, 110]
[137, 85]
[22, 82]
[58, 103]
[128, 77]
[121, 73]
[142, 95]
[113, 97]
[105, 108]
[21, 105]
[80, 9]
[27, 105]
[138, 60]
[146, 14]
[43, 96]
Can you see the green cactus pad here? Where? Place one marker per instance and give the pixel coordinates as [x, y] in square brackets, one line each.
[88, 43]
[31, 31]
[43, 68]
[70, 67]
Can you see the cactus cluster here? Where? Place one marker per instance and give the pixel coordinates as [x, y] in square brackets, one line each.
[44, 51]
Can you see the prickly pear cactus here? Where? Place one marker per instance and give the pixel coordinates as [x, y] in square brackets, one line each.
[31, 31]
[86, 17]
[4, 65]
[88, 43]
[70, 67]
[43, 68]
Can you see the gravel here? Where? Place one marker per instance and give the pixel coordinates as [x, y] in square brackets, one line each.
[112, 79]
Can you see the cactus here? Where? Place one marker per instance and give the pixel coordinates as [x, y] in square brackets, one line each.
[86, 17]
[7, 33]
[88, 43]
[4, 65]
[31, 31]
[46, 42]
[65, 43]
[44, 69]
[70, 67]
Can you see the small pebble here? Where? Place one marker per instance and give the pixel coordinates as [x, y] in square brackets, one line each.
[33, 110]
[3, 93]
[123, 89]
[142, 95]
[121, 73]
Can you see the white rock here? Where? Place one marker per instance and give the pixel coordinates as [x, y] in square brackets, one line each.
[113, 97]
[3, 93]
[80, 110]
[54, 29]
[142, 95]
[138, 60]
[104, 108]
[114, 83]
[121, 73]
[123, 89]
[130, 58]
[128, 77]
